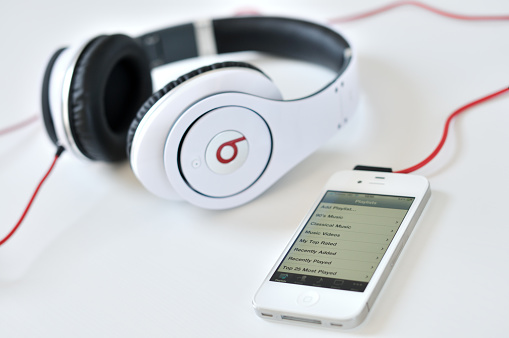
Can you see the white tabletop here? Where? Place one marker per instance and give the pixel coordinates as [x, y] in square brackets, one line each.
[99, 256]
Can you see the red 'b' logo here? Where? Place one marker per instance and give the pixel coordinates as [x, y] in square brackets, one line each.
[231, 144]
[226, 152]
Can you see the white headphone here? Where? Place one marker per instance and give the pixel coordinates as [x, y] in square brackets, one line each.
[218, 136]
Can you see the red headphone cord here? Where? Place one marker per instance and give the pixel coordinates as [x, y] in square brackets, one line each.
[440, 12]
[60, 150]
[421, 5]
[446, 130]
[19, 125]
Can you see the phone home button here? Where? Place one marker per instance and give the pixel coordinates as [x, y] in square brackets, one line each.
[308, 298]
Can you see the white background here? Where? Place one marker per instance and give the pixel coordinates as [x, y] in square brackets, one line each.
[98, 256]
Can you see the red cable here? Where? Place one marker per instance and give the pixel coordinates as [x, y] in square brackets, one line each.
[445, 14]
[57, 155]
[446, 130]
[420, 5]
[19, 125]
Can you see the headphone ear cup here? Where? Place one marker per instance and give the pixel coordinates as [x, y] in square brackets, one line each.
[170, 86]
[111, 81]
[161, 127]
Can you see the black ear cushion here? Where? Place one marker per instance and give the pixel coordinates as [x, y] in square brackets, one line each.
[46, 110]
[111, 81]
[163, 91]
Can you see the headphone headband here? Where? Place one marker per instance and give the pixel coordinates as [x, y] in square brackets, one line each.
[284, 37]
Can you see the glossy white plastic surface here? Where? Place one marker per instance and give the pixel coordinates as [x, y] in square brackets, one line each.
[298, 128]
[148, 149]
[203, 141]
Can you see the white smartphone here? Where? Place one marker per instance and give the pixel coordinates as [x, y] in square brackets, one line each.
[343, 251]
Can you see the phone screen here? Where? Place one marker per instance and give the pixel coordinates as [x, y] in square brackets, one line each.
[343, 241]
